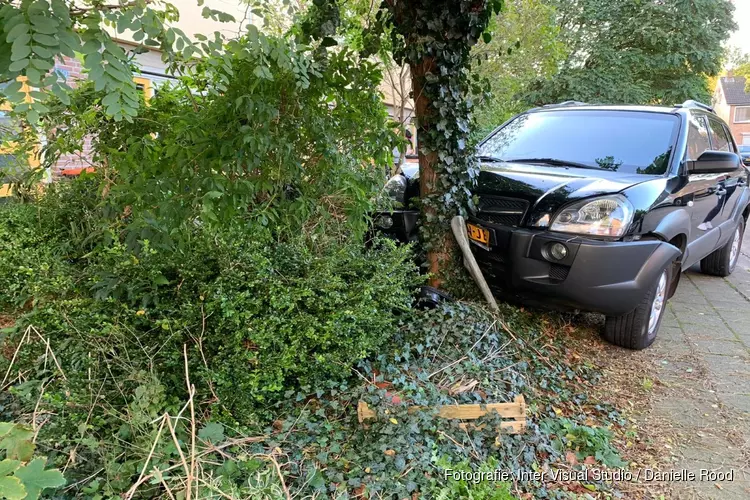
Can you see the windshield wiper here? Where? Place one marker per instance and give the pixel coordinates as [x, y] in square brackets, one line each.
[488, 158]
[553, 161]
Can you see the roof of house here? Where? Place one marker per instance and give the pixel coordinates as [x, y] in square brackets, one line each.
[734, 90]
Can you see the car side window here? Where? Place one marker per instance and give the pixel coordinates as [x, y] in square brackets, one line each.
[732, 145]
[719, 139]
[697, 137]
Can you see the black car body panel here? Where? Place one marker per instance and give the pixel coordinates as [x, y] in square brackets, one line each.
[686, 203]
[549, 189]
[517, 266]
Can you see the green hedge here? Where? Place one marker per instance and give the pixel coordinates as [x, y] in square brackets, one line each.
[259, 314]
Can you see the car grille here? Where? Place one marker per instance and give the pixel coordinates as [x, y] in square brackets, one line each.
[502, 210]
[558, 272]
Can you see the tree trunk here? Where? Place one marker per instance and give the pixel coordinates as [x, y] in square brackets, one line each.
[441, 249]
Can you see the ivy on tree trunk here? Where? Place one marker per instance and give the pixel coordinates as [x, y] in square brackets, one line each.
[434, 37]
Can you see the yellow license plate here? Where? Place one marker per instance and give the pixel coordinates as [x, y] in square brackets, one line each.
[479, 234]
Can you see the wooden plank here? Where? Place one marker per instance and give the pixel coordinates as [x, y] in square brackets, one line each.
[472, 412]
[515, 410]
[364, 412]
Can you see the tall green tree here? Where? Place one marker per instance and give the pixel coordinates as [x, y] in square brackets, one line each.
[647, 51]
[526, 46]
[434, 38]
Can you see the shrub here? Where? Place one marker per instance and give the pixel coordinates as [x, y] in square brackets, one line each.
[270, 313]
[29, 266]
[280, 311]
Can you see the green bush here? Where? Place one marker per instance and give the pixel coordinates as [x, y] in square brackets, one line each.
[29, 266]
[280, 311]
[271, 313]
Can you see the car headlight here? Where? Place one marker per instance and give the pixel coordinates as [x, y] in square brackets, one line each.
[605, 216]
[395, 189]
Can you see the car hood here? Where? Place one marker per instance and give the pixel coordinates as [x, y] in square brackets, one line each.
[548, 188]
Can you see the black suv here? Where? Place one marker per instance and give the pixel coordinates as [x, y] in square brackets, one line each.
[600, 208]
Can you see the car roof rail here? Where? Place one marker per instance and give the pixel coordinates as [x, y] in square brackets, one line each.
[565, 103]
[690, 103]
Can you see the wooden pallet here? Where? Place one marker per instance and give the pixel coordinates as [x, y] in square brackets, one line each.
[515, 412]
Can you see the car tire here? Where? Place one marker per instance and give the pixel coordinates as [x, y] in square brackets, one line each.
[636, 330]
[723, 260]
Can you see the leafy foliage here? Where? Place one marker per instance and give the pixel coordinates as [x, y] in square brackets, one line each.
[485, 489]
[274, 134]
[526, 46]
[637, 52]
[22, 477]
[271, 311]
[744, 71]
[584, 441]
[35, 33]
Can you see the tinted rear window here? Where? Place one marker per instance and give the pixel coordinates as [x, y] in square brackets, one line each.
[622, 141]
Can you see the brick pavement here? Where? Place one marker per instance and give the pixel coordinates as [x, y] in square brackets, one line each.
[702, 354]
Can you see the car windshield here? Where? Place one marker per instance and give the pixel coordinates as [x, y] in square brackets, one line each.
[622, 141]
[744, 149]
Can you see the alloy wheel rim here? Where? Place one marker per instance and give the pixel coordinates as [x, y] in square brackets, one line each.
[735, 252]
[657, 306]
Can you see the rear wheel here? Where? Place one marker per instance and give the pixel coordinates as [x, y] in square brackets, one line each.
[723, 261]
[637, 329]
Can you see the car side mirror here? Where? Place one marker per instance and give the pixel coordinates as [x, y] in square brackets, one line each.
[714, 162]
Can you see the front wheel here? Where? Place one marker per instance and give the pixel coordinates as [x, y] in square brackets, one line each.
[637, 329]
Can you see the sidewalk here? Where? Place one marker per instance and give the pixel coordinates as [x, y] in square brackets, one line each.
[702, 355]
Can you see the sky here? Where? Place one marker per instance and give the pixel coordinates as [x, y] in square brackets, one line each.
[741, 37]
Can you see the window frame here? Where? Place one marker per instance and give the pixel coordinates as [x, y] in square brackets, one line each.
[701, 118]
[146, 86]
[734, 117]
[711, 132]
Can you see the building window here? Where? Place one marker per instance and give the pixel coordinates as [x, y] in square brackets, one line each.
[143, 85]
[742, 114]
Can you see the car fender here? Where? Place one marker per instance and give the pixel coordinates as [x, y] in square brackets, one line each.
[673, 224]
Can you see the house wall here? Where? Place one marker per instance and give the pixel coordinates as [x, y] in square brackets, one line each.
[71, 70]
[740, 131]
[152, 74]
[722, 109]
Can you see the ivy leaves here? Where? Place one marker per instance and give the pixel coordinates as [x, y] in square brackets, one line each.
[435, 40]
[22, 478]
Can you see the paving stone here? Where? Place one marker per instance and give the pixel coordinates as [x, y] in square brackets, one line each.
[709, 389]
[731, 305]
[739, 402]
[702, 332]
[723, 347]
[740, 314]
[706, 320]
